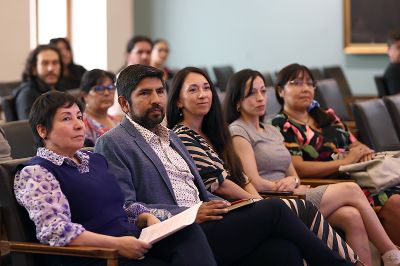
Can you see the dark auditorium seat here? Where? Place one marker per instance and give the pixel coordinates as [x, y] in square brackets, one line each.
[222, 75]
[393, 106]
[273, 106]
[336, 73]
[268, 79]
[317, 73]
[6, 88]
[19, 136]
[329, 95]
[9, 108]
[375, 126]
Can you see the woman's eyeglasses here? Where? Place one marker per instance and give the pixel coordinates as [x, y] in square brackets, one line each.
[298, 83]
[101, 88]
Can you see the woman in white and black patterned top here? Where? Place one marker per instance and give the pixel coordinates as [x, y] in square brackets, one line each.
[207, 141]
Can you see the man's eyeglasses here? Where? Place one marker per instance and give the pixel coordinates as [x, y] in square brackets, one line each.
[101, 88]
[298, 83]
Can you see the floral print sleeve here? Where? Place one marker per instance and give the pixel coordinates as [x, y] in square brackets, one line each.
[39, 192]
[134, 209]
[291, 134]
[350, 137]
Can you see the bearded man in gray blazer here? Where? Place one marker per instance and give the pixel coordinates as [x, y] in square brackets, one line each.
[153, 167]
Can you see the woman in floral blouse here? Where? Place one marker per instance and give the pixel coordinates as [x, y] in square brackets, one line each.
[318, 141]
[73, 199]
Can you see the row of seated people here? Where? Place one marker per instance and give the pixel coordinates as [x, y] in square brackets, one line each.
[68, 209]
[153, 167]
[51, 67]
[260, 147]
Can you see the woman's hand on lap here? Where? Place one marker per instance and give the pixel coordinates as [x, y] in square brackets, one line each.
[131, 247]
[286, 184]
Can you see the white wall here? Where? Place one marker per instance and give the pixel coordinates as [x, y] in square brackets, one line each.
[260, 34]
[100, 36]
[104, 40]
[14, 38]
[89, 34]
[120, 30]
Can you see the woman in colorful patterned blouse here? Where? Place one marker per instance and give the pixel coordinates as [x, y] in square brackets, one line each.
[320, 143]
[268, 163]
[98, 93]
[74, 200]
[311, 134]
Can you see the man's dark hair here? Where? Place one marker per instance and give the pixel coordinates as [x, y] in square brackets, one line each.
[131, 76]
[31, 62]
[393, 37]
[44, 109]
[132, 42]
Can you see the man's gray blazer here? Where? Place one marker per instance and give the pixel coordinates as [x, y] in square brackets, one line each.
[140, 172]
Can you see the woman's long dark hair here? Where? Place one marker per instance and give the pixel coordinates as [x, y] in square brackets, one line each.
[213, 126]
[235, 92]
[67, 44]
[291, 72]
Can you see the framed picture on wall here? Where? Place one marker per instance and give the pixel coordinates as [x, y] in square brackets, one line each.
[367, 24]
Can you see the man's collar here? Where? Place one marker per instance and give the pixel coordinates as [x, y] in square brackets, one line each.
[161, 131]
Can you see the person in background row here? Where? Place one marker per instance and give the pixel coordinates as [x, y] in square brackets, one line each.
[98, 91]
[74, 200]
[159, 56]
[392, 72]
[72, 73]
[42, 73]
[138, 51]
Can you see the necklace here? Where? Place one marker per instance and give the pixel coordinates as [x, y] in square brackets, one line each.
[299, 120]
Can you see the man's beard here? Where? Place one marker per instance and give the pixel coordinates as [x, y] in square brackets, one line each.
[147, 121]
